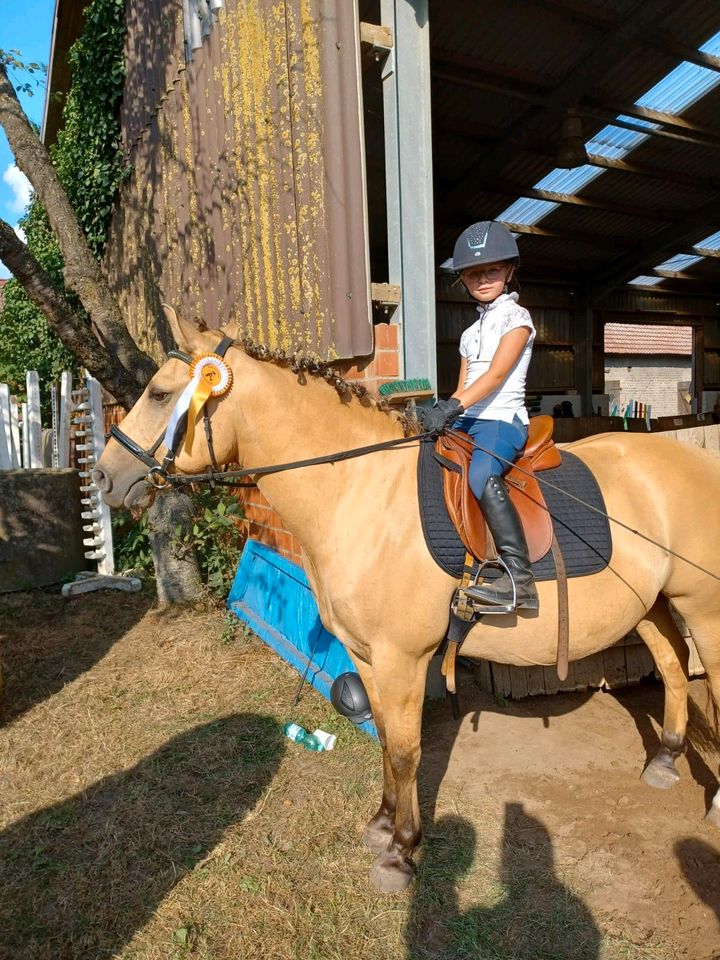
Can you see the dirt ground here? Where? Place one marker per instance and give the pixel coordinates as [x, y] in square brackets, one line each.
[541, 841]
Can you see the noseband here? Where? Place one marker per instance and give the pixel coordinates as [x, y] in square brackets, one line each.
[158, 472]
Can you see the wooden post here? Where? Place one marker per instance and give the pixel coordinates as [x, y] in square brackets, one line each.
[698, 367]
[15, 430]
[583, 358]
[6, 441]
[33, 425]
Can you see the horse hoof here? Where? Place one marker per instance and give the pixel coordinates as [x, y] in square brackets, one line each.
[662, 776]
[713, 816]
[391, 874]
[377, 839]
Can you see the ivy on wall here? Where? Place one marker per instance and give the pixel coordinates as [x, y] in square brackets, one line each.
[89, 163]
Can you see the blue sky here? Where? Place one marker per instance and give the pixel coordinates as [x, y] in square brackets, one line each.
[27, 27]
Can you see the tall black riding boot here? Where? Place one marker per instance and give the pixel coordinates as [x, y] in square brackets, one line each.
[509, 537]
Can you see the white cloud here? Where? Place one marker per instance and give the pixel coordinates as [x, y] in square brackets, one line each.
[20, 234]
[20, 187]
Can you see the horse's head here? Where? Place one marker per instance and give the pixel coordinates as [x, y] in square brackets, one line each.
[128, 472]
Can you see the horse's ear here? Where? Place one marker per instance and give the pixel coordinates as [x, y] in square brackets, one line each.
[187, 337]
[230, 329]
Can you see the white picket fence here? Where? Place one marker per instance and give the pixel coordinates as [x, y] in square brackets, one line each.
[77, 415]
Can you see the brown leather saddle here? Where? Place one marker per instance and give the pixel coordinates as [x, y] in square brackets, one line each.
[455, 450]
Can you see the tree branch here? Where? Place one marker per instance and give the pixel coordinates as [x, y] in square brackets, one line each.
[81, 272]
[74, 332]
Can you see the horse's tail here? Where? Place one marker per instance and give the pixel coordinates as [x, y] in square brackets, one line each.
[704, 629]
[713, 708]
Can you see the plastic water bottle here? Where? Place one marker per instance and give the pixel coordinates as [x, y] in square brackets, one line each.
[298, 734]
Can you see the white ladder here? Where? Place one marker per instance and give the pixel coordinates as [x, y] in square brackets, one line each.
[86, 414]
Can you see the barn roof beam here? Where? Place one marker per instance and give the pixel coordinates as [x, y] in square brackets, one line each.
[661, 40]
[515, 90]
[535, 93]
[674, 275]
[532, 123]
[605, 243]
[584, 12]
[691, 290]
[672, 121]
[700, 141]
[493, 185]
[655, 173]
[685, 230]
[487, 68]
[478, 131]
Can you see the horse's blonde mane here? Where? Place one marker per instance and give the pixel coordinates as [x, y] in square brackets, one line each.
[322, 370]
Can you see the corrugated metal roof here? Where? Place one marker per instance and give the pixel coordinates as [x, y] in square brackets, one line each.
[642, 339]
[710, 243]
[679, 262]
[682, 87]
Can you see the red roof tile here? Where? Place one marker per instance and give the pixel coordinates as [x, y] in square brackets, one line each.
[637, 338]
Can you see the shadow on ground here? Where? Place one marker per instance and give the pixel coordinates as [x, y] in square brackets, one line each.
[700, 864]
[644, 702]
[81, 877]
[47, 641]
[534, 915]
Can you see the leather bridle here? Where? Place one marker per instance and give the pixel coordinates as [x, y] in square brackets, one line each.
[158, 474]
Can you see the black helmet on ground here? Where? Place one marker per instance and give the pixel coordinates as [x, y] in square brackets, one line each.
[349, 697]
[484, 242]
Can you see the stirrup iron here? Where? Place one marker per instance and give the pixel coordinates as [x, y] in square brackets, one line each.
[480, 607]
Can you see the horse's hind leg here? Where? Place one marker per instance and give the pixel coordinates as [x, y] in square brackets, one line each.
[670, 652]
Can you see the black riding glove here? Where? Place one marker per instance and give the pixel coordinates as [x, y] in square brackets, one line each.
[441, 415]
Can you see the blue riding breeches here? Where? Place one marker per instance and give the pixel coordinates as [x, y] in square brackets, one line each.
[496, 437]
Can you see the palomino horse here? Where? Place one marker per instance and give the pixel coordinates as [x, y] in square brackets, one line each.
[379, 591]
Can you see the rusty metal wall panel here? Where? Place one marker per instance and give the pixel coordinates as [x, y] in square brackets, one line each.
[247, 197]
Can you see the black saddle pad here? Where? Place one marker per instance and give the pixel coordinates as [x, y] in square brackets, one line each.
[582, 534]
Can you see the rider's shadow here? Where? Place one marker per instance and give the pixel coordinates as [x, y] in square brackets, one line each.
[534, 914]
[700, 864]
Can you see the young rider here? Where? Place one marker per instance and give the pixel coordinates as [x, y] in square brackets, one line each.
[489, 402]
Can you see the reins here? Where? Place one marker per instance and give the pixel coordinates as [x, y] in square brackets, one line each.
[179, 479]
[159, 475]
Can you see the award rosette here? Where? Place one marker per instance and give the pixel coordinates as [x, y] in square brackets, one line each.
[210, 376]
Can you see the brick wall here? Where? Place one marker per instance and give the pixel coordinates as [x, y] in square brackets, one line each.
[261, 522]
[651, 380]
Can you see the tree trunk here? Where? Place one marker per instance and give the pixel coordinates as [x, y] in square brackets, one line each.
[82, 272]
[71, 328]
[109, 350]
[176, 568]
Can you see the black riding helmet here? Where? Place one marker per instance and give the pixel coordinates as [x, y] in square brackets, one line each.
[484, 242]
[349, 698]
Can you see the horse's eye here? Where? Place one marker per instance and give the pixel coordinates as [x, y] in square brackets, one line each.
[159, 395]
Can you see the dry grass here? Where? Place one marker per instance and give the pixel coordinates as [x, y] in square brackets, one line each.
[150, 808]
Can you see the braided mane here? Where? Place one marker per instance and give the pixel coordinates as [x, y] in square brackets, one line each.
[318, 368]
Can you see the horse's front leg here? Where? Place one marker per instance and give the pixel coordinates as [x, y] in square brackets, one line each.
[400, 686]
[379, 831]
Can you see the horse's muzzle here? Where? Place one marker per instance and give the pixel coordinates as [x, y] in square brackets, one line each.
[101, 480]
